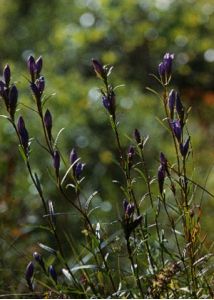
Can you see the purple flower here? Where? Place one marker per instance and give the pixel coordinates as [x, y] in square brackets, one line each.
[48, 123]
[131, 153]
[176, 127]
[73, 156]
[98, 68]
[34, 67]
[130, 209]
[56, 162]
[78, 169]
[109, 103]
[77, 166]
[39, 260]
[53, 273]
[35, 91]
[39, 63]
[31, 67]
[6, 75]
[40, 83]
[2, 88]
[13, 97]
[184, 148]
[29, 274]
[165, 67]
[23, 133]
[29, 271]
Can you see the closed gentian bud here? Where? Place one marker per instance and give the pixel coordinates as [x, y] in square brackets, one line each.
[13, 97]
[40, 83]
[109, 103]
[53, 273]
[167, 59]
[131, 153]
[29, 274]
[171, 102]
[130, 209]
[48, 123]
[161, 69]
[185, 148]
[73, 156]
[176, 127]
[31, 67]
[2, 89]
[35, 91]
[78, 169]
[98, 68]
[23, 133]
[6, 75]
[137, 136]
[39, 63]
[56, 162]
[165, 67]
[39, 260]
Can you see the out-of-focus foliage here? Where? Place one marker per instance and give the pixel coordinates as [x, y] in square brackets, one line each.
[131, 35]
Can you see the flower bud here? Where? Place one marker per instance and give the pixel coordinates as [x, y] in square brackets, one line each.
[29, 274]
[39, 260]
[131, 152]
[2, 89]
[109, 103]
[29, 271]
[31, 67]
[48, 123]
[79, 169]
[23, 133]
[176, 127]
[185, 148]
[53, 273]
[98, 68]
[165, 67]
[35, 91]
[6, 75]
[13, 97]
[40, 83]
[39, 63]
[73, 156]
[130, 209]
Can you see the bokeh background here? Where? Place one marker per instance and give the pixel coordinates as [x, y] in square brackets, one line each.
[133, 36]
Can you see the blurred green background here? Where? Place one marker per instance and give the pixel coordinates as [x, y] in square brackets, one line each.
[133, 36]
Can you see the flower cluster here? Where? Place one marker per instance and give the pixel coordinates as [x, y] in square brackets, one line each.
[9, 92]
[77, 166]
